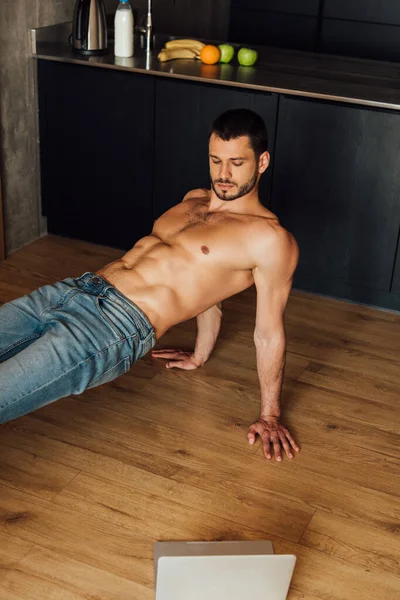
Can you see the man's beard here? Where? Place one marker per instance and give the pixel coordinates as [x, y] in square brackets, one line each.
[244, 189]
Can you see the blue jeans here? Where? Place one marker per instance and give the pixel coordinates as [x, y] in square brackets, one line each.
[65, 338]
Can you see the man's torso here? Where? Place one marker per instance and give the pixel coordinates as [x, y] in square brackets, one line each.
[192, 260]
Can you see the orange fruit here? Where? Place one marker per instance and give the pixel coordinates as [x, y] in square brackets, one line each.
[210, 54]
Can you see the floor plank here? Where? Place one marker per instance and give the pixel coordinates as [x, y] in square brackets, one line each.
[328, 578]
[61, 529]
[12, 550]
[51, 575]
[9, 594]
[146, 510]
[27, 472]
[359, 544]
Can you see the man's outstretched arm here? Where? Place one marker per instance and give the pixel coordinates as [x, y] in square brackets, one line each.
[208, 326]
[276, 260]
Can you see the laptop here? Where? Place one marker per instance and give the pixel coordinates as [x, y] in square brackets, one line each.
[221, 571]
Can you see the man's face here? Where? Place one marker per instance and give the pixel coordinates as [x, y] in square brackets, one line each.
[234, 169]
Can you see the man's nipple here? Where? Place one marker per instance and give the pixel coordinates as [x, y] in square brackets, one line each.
[205, 250]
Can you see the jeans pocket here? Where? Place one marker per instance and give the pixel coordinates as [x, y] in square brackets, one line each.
[117, 370]
[145, 345]
[109, 316]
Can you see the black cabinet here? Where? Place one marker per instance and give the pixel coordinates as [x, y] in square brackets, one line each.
[97, 133]
[337, 189]
[396, 277]
[365, 40]
[282, 23]
[207, 19]
[371, 11]
[364, 28]
[368, 29]
[184, 114]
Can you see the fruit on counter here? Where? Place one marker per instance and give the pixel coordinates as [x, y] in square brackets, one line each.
[247, 57]
[210, 54]
[185, 43]
[177, 53]
[184, 48]
[227, 53]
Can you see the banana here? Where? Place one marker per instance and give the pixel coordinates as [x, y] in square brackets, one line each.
[185, 43]
[178, 53]
[197, 52]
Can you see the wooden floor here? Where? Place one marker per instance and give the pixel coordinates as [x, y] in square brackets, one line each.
[89, 483]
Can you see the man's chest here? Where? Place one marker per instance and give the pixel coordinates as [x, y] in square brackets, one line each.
[213, 236]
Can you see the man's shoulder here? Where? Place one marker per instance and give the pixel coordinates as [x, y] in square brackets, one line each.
[270, 241]
[197, 194]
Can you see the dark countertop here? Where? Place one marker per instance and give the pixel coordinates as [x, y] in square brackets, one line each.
[329, 77]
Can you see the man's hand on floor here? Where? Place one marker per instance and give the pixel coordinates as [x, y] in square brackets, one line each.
[178, 359]
[272, 432]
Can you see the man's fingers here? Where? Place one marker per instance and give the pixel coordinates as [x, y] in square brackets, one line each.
[251, 436]
[273, 434]
[181, 364]
[277, 448]
[175, 364]
[165, 353]
[291, 440]
[266, 443]
[285, 445]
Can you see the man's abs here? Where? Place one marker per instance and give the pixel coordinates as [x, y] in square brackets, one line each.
[170, 283]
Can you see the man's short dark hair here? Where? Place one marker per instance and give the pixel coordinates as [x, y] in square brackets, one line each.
[239, 122]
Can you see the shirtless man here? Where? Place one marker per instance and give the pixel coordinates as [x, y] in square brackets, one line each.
[80, 333]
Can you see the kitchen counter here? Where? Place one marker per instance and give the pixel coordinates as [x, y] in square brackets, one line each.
[293, 73]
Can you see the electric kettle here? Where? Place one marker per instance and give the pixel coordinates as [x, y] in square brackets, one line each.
[89, 28]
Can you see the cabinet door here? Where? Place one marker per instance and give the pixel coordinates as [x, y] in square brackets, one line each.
[372, 11]
[365, 40]
[207, 19]
[337, 189]
[97, 129]
[367, 29]
[184, 114]
[282, 23]
[396, 278]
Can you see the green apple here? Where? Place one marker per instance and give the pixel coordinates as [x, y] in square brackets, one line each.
[247, 57]
[227, 53]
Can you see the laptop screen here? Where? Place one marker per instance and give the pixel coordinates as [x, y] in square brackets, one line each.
[224, 577]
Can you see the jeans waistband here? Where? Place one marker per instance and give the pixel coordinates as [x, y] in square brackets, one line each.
[98, 286]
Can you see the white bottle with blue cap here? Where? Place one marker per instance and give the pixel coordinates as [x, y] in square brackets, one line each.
[123, 46]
